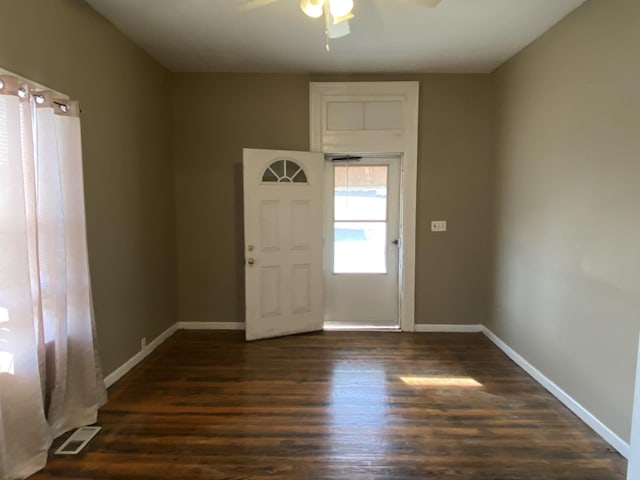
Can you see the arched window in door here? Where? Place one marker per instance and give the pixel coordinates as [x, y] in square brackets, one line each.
[284, 171]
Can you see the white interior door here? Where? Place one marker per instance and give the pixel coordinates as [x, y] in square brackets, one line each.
[362, 245]
[283, 242]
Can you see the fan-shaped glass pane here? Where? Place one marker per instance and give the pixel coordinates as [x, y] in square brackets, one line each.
[292, 168]
[278, 168]
[269, 176]
[300, 177]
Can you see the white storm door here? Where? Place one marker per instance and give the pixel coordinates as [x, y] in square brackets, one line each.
[283, 242]
[363, 244]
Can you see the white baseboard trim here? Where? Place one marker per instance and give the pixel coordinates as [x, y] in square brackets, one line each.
[119, 372]
[600, 428]
[452, 328]
[210, 325]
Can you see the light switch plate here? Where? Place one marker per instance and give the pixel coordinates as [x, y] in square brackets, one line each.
[438, 225]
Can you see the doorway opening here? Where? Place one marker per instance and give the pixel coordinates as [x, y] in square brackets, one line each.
[375, 117]
[362, 198]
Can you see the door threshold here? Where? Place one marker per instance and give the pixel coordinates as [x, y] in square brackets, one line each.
[344, 326]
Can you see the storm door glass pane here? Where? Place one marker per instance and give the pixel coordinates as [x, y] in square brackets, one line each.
[360, 219]
[360, 247]
[360, 192]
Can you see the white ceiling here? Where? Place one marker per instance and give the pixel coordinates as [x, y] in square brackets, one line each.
[387, 35]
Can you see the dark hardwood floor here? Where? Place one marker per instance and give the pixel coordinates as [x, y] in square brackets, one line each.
[207, 405]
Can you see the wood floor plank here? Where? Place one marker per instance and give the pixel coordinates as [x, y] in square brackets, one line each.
[335, 405]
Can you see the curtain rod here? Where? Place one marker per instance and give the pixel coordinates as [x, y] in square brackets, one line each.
[33, 85]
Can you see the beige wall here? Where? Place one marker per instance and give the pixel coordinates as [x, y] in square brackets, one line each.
[216, 115]
[128, 173]
[568, 207]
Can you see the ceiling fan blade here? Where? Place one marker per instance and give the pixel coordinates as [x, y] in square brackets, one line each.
[428, 3]
[254, 4]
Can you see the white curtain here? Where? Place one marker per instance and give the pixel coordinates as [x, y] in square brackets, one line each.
[50, 375]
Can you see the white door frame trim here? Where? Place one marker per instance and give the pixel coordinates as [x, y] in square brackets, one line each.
[403, 141]
[384, 308]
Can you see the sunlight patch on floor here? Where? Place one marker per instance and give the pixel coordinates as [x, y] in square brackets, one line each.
[420, 381]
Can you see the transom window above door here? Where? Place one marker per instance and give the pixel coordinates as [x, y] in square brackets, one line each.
[284, 171]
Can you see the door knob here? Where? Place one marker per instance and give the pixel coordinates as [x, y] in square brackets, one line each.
[251, 261]
[396, 242]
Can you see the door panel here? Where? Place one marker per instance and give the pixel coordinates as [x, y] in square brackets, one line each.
[283, 242]
[361, 258]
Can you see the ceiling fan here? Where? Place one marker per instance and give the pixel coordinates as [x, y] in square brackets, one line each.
[337, 14]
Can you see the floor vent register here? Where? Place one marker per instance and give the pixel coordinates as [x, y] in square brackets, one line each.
[77, 441]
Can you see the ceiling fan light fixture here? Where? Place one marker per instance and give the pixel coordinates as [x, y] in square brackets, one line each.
[346, 18]
[312, 8]
[340, 8]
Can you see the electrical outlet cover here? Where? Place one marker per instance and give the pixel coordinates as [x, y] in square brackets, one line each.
[439, 226]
